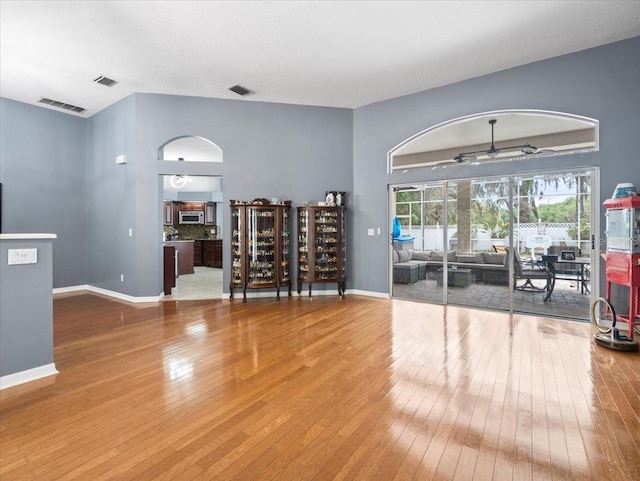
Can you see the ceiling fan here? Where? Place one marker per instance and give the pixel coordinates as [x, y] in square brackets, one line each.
[492, 152]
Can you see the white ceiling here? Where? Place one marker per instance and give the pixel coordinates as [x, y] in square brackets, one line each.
[323, 53]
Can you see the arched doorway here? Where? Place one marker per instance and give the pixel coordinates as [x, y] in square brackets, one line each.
[191, 188]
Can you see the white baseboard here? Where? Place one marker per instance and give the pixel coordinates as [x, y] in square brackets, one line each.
[64, 290]
[237, 293]
[358, 292]
[107, 292]
[29, 375]
[123, 297]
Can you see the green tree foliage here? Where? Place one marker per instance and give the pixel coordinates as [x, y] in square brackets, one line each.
[490, 204]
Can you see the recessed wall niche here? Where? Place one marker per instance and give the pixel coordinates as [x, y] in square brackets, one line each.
[190, 149]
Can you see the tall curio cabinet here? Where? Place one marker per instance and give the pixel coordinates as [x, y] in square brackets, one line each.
[260, 246]
[322, 249]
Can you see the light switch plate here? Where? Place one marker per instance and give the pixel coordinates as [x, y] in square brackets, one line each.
[370, 232]
[23, 256]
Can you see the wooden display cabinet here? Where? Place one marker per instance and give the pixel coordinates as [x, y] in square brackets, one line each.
[322, 253]
[260, 246]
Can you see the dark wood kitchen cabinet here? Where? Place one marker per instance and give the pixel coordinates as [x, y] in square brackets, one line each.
[217, 254]
[191, 206]
[212, 253]
[169, 276]
[198, 253]
[210, 213]
[171, 212]
[207, 253]
[168, 213]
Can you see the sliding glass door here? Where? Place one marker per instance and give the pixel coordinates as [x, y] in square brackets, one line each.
[418, 249]
[519, 243]
[552, 232]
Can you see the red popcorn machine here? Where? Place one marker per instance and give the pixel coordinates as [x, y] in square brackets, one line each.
[623, 268]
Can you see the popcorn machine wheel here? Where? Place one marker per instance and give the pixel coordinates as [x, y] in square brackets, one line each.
[622, 268]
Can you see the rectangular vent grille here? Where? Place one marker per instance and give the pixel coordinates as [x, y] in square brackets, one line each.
[102, 80]
[240, 90]
[62, 105]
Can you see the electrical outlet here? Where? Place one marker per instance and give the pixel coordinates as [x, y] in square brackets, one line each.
[130, 232]
[121, 277]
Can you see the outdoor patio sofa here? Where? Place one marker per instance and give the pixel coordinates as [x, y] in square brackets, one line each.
[410, 265]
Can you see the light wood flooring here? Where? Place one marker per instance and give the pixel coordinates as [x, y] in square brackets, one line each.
[321, 389]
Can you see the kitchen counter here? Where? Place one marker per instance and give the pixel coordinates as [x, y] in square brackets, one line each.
[206, 251]
[184, 249]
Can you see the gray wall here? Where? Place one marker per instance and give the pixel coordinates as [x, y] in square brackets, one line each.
[293, 152]
[53, 163]
[601, 83]
[42, 170]
[111, 206]
[26, 308]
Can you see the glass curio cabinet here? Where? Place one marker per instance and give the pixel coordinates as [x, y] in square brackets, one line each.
[260, 246]
[322, 246]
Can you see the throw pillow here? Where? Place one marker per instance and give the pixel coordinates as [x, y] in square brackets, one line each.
[493, 258]
[467, 258]
[437, 256]
[404, 255]
[421, 255]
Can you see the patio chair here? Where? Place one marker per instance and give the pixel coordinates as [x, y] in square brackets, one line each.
[532, 272]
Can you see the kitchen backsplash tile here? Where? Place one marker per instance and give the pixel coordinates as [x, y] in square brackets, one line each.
[190, 231]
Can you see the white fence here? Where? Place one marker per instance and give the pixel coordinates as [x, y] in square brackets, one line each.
[431, 237]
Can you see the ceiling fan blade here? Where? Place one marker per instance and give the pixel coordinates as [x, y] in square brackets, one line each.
[460, 158]
[445, 162]
[536, 154]
[545, 153]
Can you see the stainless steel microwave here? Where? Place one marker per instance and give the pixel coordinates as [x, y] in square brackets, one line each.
[192, 217]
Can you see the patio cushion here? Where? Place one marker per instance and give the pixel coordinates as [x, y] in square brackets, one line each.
[405, 273]
[404, 255]
[439, 255]
[469, 258]
[421, 255]
[493, 258]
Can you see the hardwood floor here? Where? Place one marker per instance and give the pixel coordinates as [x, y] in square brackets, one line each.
[321, 389]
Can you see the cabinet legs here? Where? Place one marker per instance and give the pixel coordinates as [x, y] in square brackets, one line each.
[341, 288]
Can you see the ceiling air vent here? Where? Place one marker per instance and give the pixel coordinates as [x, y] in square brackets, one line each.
[240, 90]
[62, 105]
[102, 80]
